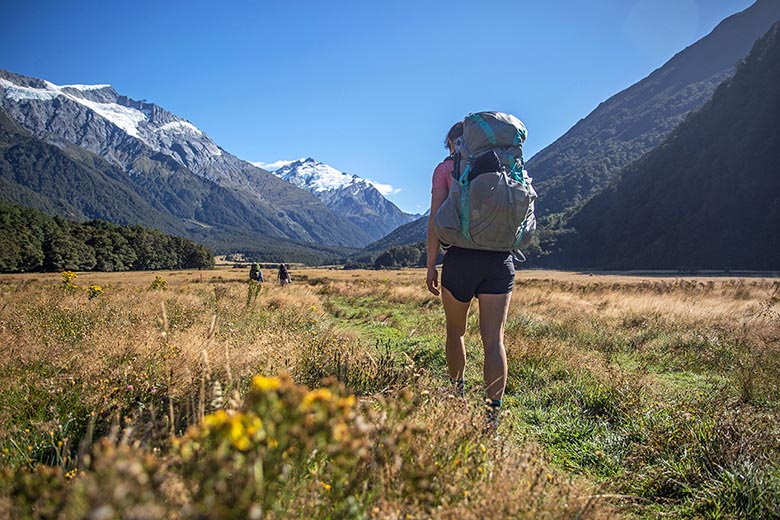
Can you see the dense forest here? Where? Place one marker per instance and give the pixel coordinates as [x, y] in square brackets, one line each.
[33, 241]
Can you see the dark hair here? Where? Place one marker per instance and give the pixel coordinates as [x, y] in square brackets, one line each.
[455, 132]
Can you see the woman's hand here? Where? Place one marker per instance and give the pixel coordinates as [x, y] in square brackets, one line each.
[432, 280]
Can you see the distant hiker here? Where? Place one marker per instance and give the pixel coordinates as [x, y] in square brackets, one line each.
[253, 269]
[284, 275]
[470, 269]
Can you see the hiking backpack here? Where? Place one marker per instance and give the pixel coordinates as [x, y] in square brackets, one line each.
[490, 205]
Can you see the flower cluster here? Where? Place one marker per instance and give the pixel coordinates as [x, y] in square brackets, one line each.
[159, 284]
[284, 442]
[67, 280]
[94, 291]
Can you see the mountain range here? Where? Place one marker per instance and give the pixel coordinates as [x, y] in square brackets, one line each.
[164, 172]
[708, 197]
[642, 182]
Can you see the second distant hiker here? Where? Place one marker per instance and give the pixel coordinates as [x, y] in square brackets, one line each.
[284, 275]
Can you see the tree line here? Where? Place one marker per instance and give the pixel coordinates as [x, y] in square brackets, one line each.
[408, 255]
[31, 241]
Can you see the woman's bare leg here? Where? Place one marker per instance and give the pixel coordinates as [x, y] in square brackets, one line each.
[492, 316]
[456, 313]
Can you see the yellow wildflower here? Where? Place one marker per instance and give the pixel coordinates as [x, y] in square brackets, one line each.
[265, 384]
[347, 402]
[320, 394]
[216, 419]
[254, 425]
[238, 433]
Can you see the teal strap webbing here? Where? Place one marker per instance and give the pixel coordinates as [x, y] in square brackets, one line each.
[465, 217]
[463, 180]
[519, 137]
[513, 171]
[485, 128]
[519, 238]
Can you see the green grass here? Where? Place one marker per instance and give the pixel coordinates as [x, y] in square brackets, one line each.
[677, 418]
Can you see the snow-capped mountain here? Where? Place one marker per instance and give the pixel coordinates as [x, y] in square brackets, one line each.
[157, 147]
[316, 176]
[106, 118]
[349, 195]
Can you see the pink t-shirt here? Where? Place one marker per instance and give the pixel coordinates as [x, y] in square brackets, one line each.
[442, 175]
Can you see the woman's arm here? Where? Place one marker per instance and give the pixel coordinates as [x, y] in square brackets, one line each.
[438, 196]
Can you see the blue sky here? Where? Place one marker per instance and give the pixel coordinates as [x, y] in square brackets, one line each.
[368, 87]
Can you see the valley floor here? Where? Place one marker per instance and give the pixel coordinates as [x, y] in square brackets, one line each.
[629, 395]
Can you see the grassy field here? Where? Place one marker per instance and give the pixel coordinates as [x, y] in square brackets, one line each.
[197, 394]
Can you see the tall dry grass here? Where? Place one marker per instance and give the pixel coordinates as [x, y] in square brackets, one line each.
[621, 391]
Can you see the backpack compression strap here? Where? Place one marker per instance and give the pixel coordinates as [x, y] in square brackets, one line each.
[465, 214]
[489, 133]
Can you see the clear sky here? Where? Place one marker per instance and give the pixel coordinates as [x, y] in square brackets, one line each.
[369, 87]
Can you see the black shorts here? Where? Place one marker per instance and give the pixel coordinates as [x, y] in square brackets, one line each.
[467, 273]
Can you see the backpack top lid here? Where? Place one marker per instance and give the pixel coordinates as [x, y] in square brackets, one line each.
[485, 130]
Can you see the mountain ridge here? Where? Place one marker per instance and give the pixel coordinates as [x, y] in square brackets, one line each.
[562, 170]
[707, 198]
[355, 198]
[630, 123]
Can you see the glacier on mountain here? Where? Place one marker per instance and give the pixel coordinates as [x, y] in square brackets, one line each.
[318, 177]
[137, 123]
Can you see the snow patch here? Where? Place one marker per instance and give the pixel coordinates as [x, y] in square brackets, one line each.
[180, 127]
[318, 177]
[276, 165]
[19, 93]
[124, 117]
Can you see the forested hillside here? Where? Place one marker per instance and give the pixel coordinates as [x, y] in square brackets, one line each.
[32, 241]
[621, 129]
[708, 197]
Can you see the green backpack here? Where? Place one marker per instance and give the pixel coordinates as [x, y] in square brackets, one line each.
[490, 205]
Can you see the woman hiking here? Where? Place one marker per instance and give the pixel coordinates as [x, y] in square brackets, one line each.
[284, 275]
[468, 273]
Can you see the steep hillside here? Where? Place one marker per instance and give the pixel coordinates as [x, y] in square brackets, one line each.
[593, 152]
[71, 183]
[708, 197]
[414, 231]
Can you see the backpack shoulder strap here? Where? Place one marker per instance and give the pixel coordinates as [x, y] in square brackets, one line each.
[455, 158]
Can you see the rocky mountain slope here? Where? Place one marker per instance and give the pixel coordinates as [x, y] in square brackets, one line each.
[74, 183]
[592, 154]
